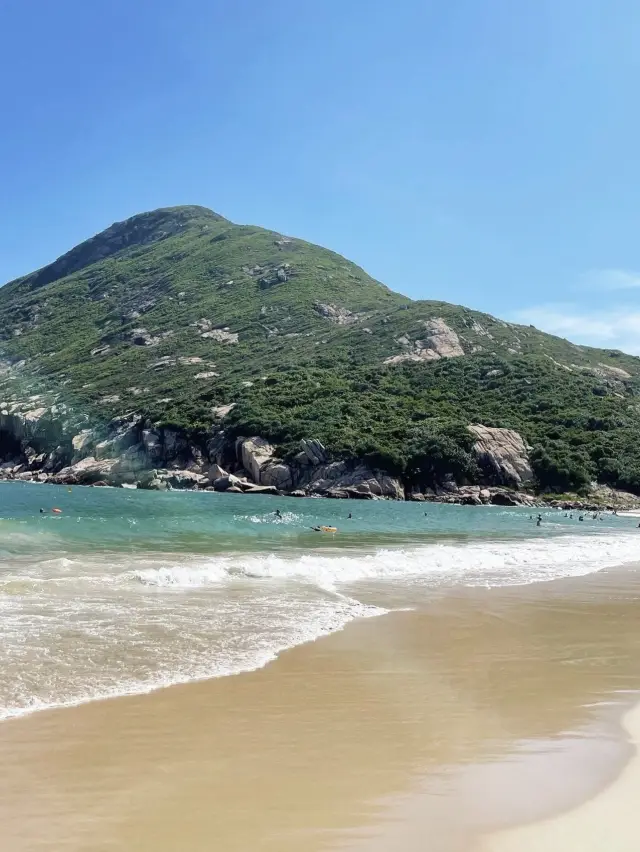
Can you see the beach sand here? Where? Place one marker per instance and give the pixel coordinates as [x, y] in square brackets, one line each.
[610, 821]
[483, 710]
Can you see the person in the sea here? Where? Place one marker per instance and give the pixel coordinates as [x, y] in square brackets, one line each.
[278, 513]
[539, 521]
[350, 515]
[42, 511]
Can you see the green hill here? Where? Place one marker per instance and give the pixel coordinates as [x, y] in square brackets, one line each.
[178, 313]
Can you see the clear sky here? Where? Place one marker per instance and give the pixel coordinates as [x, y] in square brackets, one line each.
[484, 152]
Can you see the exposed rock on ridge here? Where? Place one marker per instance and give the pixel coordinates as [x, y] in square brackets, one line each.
[441, 342]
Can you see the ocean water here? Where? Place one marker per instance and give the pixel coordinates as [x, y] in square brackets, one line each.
[125, 591]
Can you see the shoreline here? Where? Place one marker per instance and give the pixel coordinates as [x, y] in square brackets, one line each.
[496, 496]
[435, 722]
[607, 820]
[145, 690]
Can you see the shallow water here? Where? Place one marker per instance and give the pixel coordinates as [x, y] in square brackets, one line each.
[127, 591]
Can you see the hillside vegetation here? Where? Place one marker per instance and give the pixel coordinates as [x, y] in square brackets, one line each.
[178, 314]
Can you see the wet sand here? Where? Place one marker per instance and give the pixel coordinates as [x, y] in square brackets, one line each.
[481, 710]
[608, 821]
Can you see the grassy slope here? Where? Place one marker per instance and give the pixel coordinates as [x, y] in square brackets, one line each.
[177, 266]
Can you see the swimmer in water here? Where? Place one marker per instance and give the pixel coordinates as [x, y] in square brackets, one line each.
[350, 515]
[278, 513]
[42, 511]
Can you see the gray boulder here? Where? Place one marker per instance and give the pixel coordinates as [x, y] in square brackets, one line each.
[277, 475]
[183, 479]
[254, 453]
[260, 489]
[123, 433]
[504, 498]
[83, 444]
[440, 341]
[503, 455]
[360, 480]
[86, 472]
[224, 483]
[314, 451]
[216, 472]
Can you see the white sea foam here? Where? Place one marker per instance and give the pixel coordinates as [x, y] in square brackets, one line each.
[76, 629]
[502, 562]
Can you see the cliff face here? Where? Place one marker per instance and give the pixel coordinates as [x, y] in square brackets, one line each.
[190, 326]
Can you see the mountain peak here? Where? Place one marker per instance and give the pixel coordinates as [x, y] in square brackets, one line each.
[138, 230]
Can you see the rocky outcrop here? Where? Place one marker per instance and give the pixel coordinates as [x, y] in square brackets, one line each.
[337, 315]
[219, 412]
[43, 443]
[141, 337]
[123, 434]
[314, 451]
[475, 495]
[83, 444]
[254, 454]
[132, 452]
[221, 335]
[502, 455]
[216, 472]
[309, 472]
[182, 479]
[342, 479]
[86, 472]
[274, 275]
[257, 457]
[278, 475]
[441, 341]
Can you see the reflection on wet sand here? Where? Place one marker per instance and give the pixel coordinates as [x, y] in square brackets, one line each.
[484, 707]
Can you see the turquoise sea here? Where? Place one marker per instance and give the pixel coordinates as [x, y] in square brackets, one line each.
[127, 591]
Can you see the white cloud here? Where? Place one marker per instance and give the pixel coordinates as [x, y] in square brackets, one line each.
[611, 279]
[618, 328]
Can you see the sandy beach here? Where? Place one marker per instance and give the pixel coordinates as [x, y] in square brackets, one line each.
[483, 710]
[608, 821]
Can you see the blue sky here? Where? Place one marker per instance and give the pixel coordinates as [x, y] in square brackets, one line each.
[483, 152]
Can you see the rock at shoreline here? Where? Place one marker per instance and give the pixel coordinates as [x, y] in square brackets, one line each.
[277, 475]
[216, 472]
[253, 453]
[86, 472]
[360, 481]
